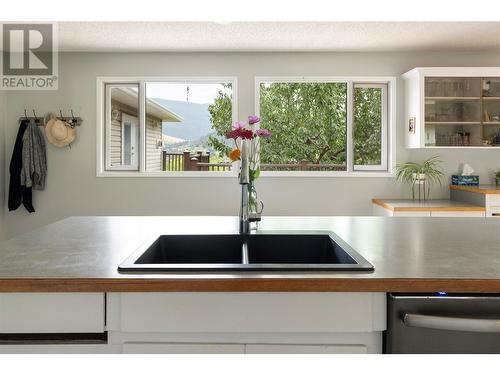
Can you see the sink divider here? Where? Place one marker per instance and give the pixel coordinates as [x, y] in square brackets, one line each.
[244, 252]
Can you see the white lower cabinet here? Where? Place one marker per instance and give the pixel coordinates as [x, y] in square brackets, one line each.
[458, 214]
[190, 348]
[381, 211]
[305, 349]
[260, 322]
[53, 323]
[182, 348]
[277, 322]
[51, 312]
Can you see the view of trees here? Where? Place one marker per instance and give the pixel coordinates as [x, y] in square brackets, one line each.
[308, 122]
[367, 125]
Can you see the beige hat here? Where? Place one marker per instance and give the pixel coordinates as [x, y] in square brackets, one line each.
[59, 133]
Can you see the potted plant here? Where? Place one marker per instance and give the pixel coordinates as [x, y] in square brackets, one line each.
[497, 178]
[421, 175]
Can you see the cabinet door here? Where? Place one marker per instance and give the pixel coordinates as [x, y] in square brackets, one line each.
[248, 312]
[457, 214]
[182, 348]
[51, 312]
[305, 349]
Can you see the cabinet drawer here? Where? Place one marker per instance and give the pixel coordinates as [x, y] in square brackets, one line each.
[173, 348]
[59, 349]
[305, 349]
[247, 312]
[51, 312]
[458, 214]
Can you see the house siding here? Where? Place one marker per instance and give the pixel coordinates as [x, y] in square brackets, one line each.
[153, 152]
[153, 134]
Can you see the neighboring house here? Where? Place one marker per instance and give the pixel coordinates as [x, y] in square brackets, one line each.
[124, 129]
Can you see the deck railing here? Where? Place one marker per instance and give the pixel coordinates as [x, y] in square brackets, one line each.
[303, 166]
[199, 161]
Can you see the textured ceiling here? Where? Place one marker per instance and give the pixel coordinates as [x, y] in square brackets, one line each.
[279, 36]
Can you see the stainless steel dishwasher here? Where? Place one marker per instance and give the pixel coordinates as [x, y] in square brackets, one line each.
[443, 323]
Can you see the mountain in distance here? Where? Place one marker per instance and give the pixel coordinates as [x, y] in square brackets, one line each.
[196, 119]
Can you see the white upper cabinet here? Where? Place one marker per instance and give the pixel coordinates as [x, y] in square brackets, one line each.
[452, 107]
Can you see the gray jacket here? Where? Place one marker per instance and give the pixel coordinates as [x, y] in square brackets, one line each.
[34, 170]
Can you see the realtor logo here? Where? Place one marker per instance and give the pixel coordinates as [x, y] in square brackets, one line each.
[29, 57]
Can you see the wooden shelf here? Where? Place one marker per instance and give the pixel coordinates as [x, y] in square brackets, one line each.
[452, 97]
[491, 97]
[452, 123]
[491, 122]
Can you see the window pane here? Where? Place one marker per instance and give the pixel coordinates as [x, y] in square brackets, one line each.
[122, 127]
[186, 123]
[368, 125]
[308, 122]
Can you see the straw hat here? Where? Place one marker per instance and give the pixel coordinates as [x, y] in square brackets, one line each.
[59, 133]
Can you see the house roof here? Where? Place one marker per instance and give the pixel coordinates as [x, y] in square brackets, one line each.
[128, 96]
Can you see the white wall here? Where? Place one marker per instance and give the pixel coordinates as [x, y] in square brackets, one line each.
[3, 165]
[73, 189]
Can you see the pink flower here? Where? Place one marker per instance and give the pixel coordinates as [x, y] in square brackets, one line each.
[263, 133]
[253, 119]
[239, 125]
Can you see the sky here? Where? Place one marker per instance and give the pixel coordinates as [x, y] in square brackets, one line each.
[198, 92]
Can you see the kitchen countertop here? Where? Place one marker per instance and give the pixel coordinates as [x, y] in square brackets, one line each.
[81, 254]
[428, 205]
[481, 189]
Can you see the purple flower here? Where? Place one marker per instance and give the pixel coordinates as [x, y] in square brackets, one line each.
[253, 119]
[263, 133]
[239, 125]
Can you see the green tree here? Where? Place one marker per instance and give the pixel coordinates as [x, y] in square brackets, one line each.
[221, 116]
[367, 129]
[308, 122]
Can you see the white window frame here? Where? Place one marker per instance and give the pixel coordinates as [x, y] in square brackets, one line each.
[107, 128]
[103, 119]
[385, 127]
[389, 134]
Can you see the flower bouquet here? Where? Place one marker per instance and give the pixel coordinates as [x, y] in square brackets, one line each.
[248, 135]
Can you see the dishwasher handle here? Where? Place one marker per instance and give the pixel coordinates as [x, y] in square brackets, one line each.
[452, 323]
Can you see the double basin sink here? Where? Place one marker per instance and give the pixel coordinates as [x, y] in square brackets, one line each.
[253, 252]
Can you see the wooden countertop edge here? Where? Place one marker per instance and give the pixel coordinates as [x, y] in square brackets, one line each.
[385, 205]
[473, 189]
[251, 285]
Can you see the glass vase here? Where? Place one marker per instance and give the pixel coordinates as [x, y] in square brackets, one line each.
[255, 206]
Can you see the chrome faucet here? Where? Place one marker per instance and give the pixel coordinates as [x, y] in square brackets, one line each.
[244, 181]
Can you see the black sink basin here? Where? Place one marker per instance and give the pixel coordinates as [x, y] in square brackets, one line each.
[296, 249]
[254, 252]
[179, 249]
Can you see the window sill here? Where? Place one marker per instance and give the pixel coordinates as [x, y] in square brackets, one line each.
[286, 174]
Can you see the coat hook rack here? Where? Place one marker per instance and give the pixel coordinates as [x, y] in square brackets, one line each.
[37, 120]
[71, 120]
